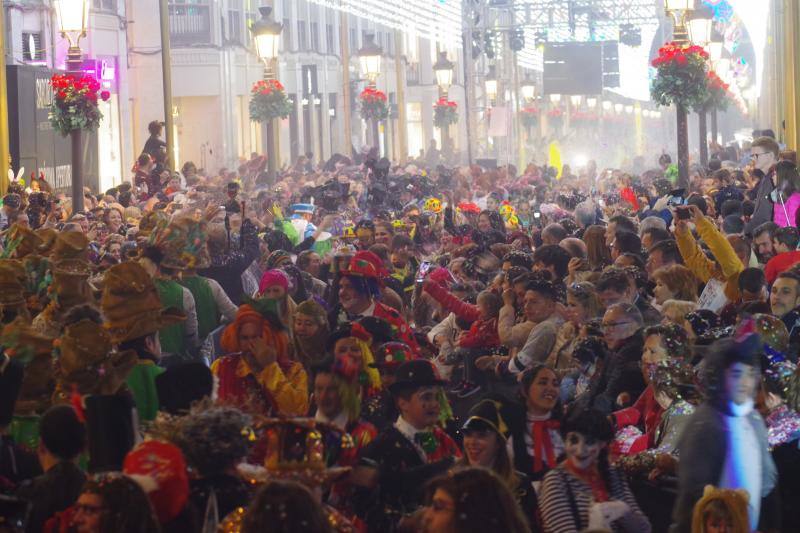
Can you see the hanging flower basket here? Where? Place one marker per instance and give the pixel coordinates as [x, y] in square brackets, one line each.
[373, 104]
[268, 100]
[680, 76]
[529, 117]
[445, 113]
[718, 96]
[74, 104]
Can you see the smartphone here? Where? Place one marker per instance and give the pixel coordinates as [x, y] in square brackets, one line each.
[423, 271]
[537, 214]
[676, 197]
[683, 213]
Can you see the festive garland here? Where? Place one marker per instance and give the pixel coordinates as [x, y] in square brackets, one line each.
[529, 117]
[445, 113]
[74, 104]
[268, 100]
[718, 95]
[680, 76]
[373, 104]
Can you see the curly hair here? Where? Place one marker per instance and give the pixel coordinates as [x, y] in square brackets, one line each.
[679, 280]
[483, 502]
[126, 507]
[285, 507]
[213, 439]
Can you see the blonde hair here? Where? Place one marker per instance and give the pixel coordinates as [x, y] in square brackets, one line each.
[679, 280]
[676, 310]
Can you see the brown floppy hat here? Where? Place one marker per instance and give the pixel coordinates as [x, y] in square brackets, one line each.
[21, 241]
[35, 352]
[11, 288]
[131, 305]
[48, 238]
[70, 245]
[87, 358]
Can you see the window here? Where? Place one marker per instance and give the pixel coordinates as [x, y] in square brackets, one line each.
[302, 40]
[287, 35]
[314, 34]
[234, 27]
[32, 49]
[330, 39]
[105, 5]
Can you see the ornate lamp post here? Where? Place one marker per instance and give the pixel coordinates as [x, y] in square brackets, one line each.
[699, 25]
[528, 91]
[443, 70]
[73, 22]
[370, 56]
[267, 38]
[715, 48]
[678, 9]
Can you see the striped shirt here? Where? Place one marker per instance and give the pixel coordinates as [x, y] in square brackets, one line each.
[558, 512]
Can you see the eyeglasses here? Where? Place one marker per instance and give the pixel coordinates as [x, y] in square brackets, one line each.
[611, 325]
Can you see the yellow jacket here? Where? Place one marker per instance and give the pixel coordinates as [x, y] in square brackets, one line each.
[728, 266]
[289, 389]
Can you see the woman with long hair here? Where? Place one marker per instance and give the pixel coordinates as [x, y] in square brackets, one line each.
[598, 254]
[584, 491]
[583, 305]
[485, 445]
[309, 333]
[472, 500]
[786, 196]
[535, 439]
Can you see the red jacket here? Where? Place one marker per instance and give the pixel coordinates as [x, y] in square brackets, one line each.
[482, 332]
[647, 410]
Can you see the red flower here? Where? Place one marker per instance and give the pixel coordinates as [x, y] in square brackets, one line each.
[61, 94]
[681, 60]
[105, 95]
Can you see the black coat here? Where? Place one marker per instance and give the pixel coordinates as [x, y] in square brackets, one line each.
[621, 373]
[403, 475]
[51, 493]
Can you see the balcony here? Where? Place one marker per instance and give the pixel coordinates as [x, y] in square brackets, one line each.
[189, 24]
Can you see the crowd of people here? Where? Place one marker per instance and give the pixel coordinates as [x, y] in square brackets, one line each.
[362, 346]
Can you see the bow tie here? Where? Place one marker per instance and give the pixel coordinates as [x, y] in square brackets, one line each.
[427, 441]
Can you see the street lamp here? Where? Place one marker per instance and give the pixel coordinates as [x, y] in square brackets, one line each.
[628, 109]
[555, 98]
[576, 99]
[267, 38]
[591, 102]
[699, 26]
[443, 69]
[715, 47]
[528, 90]
[369, 57]
[678, 10]
[607, 105]
[73, 20]
[618, 108]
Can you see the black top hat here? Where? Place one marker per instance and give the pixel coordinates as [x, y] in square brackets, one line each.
[415, 375]
[486, 414]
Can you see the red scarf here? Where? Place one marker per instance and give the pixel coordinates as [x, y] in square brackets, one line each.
[591, 476]
[542, 444]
